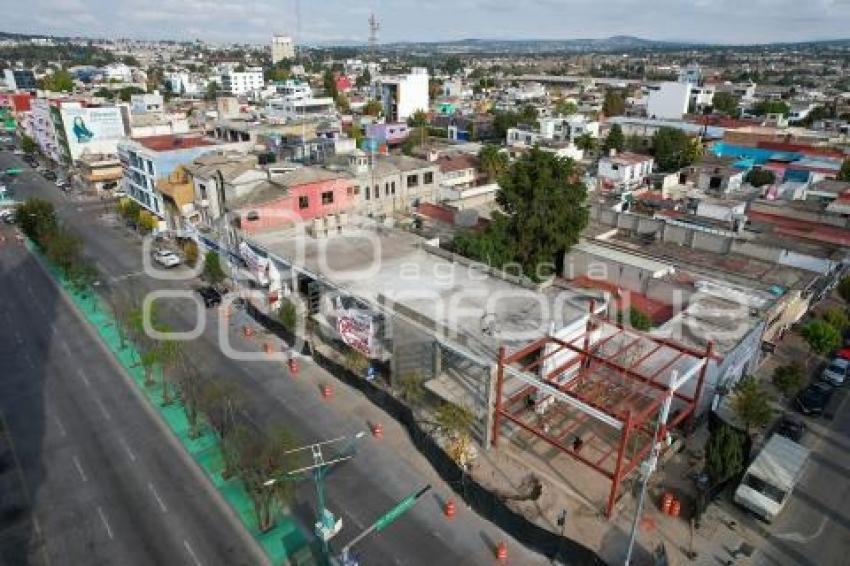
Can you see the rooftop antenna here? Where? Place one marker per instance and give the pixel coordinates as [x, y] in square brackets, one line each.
[374, 27]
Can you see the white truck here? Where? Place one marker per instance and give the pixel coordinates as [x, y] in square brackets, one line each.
[771, 477]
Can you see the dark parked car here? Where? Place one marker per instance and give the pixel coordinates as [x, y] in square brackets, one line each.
[49, 175]
[814, 398]
[791, 427]
[210, 296]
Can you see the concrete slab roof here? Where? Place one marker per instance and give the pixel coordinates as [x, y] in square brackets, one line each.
[462, 304]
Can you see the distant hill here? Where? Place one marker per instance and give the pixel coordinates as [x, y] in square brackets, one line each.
[608, 44]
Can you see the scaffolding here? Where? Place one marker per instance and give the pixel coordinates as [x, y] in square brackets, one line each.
[596, 390]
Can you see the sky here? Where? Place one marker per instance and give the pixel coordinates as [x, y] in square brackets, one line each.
[342, 21]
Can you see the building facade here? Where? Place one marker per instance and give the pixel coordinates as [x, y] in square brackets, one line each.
[242, 82]
[283, 48]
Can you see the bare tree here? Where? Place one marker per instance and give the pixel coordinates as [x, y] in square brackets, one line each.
[188, 380]
[219, 402]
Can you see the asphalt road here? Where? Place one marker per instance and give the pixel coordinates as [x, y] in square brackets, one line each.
[103, 483]
[814, 528]
[359, 490]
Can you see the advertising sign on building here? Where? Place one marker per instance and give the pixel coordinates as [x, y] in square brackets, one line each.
[95, 130]
[257, 265]
[355, 329]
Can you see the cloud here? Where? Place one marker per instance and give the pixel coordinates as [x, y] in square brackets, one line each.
[726, 21]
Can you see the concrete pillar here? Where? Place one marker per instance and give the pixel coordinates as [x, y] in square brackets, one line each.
[490, 405]
[437, 358]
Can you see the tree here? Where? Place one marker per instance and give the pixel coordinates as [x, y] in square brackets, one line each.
[170, 356]
[614, 103]
[528, 114]
[329, 84]
[28, 144]
[213, 273]
[342, 103]
[544, 214]
[844, 172]
[190, 252]
[146, 221]
[418, 120]
[365, 79]
[493, 161]
[750, 402]
[37, 219]
[455, 422]
[789, 379]
[63, 249]
[128, 91]
[566, 107]
[59, 81]
[257, 458]
[212, 91]
[843, 288]
[821, 337]
[760, 177]
[635, 143]
[724, 454]
[771, 107]
[189, 384]
[586, 142]
[373, 108]
[639, 320]
[674, 149]
[503, 121]
[83, 275]
[615, 139]
[288, 315]
[219, 401]
[837, 318]
[726, 103]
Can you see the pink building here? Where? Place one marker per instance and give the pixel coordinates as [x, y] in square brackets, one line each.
[301, 195]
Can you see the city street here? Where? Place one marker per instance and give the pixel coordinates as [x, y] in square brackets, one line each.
[102, 482]
[359, 490]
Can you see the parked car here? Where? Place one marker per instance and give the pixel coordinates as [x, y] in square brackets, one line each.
[166, 258]
[18, 151]
[50, 175]
[836, 372]
[791, 427]
[813, 399]
[210, 296]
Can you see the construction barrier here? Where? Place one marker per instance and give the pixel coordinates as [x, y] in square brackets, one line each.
[675, 508]
[502, 551]
[378, 430]
[267, 348]
[292, 364]
[327, 392]
[449, 508]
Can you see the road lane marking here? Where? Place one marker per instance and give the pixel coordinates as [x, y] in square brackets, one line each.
[191, 552]
[127, 449]
[85, 379]
[157, 497]
[80, 469]
[60, 426]
[801, 538]
[104, 521]
[103, 410]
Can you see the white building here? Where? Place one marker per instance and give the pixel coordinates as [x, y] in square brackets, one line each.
[624, 171]
[282, 48]
[692, 74]
[242, 82]
[144, 103]
[668, 100]
[284, 109]
[402, 95]
[117, 72]
[293, 90]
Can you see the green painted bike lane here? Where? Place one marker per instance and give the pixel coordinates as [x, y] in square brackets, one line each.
[286, 543]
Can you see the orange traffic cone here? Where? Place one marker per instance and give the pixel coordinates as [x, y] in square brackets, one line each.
[293, 365]
[449, 508]
[378, 430]
[502, 551]
[327, 392]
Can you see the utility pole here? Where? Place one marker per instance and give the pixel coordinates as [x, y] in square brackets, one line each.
[327, 525]
[382, 522]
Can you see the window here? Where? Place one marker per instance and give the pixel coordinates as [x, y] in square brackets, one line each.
[150, 167]
[327, 197]
[386, 189]
[428, 178]
[252, 215]
[203, 190]
[412, 181]
[392, 187]
[303, 202]
[367, 192]
[377, 192]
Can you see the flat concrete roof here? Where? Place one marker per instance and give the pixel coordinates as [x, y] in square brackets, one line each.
[466, 307]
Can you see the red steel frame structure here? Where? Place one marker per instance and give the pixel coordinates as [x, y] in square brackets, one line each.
[626, 397]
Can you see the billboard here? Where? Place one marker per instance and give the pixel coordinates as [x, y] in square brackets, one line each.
[95, 130]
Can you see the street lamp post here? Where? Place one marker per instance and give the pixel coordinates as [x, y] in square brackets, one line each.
[327, 525]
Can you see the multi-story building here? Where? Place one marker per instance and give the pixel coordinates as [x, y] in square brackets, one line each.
[148, 102]
[282, 48]
[242, 82]
[624, 171]
[20, 79]
[403, 95]
[148, 160]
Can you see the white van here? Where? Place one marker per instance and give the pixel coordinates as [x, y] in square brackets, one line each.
[771, 477]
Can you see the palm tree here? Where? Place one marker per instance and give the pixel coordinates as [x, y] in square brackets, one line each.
[492, 161]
